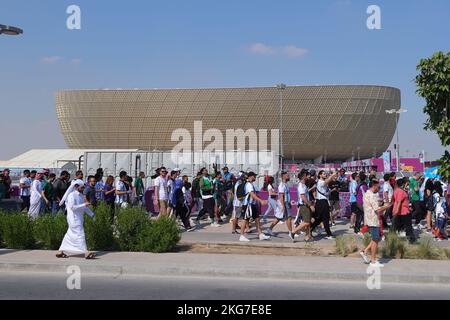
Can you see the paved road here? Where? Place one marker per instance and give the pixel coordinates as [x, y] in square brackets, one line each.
[53, 286]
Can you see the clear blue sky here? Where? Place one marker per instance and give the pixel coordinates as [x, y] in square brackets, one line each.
[205, 43]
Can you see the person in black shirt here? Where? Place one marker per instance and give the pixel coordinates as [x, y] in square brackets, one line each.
[428, 203]
[335, 187]
[60, 187]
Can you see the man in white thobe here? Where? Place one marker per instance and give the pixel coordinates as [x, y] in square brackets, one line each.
[36, 196]
[75, 240]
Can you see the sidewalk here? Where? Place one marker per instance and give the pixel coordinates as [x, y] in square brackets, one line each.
[205, 234]
[235, 266]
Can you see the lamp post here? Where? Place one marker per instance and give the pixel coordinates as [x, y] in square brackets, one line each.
[397, 119]
[281, 87]
[10, 31]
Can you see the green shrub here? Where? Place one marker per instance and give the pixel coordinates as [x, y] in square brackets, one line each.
[161, 235]
[130, 224]
[17, 231]
[424, 250]
[446, 254]
[99, 231]
[49, 231]
[345, 245]
[394, 247]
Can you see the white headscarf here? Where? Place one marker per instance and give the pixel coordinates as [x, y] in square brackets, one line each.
[70, 190]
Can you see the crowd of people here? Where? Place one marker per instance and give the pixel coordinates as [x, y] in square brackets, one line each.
[43, 192]
[402, 205]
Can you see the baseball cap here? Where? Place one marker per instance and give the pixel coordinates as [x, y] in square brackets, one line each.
[251, 174]
[313, 172]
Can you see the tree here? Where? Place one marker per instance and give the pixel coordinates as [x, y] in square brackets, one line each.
[433, 84]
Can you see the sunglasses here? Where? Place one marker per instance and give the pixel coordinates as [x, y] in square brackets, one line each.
[163, 171]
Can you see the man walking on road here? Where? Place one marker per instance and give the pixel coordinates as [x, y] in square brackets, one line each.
[372, 209]
[251, 210]
[25, 190]
[282, 213]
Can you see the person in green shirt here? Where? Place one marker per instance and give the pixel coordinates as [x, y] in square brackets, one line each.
[207, 193]
[414, 197]
[48, 194]
[140, 188]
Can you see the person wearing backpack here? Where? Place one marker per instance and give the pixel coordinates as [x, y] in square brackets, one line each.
[272, 197]
[239, 194]
[197, 197]
[440, 212]
[207, 193]
[181, 200]
[250, 209]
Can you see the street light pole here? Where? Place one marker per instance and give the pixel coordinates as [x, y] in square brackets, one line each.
[397, 120]
[281, 87]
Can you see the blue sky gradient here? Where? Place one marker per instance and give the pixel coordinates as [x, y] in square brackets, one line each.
[204, 43]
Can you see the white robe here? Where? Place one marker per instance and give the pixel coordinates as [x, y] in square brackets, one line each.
[35, 199]
[75, 240]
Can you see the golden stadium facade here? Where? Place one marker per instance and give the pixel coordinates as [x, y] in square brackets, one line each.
[335, 122]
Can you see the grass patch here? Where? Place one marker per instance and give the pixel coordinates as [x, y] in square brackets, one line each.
[345, 245]
[394, 247]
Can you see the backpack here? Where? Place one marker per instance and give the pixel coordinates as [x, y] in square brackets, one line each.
[240, 192]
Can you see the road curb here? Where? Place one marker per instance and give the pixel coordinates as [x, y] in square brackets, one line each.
[145, 270]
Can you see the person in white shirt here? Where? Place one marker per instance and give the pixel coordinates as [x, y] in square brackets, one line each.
[272, 198]
[75, 239]
[121, 191]
[161, 196]
[251, 210]
[323, 204]
[36, 196]
[440, 210]
[388, 192]
[237, 203]
[25, 190]
[372, 209]
[305, 205]
[283, 210]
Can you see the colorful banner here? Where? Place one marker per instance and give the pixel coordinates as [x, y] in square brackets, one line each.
[386, 162]
[432, 173]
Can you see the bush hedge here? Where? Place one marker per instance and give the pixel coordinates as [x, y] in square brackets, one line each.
[99, 231]
[132, 230]
[17, 231]
[49, 231]
[160, 235]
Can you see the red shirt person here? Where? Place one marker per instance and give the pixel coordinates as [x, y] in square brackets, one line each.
[401, 212]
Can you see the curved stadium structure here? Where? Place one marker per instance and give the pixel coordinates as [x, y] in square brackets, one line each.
[336, 122]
